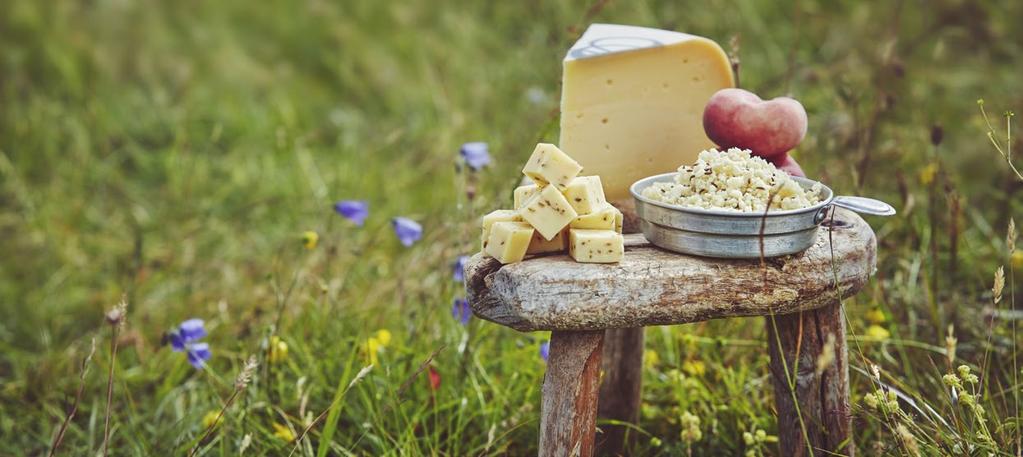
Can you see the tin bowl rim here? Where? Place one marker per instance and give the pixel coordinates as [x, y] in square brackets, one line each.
[805, 182]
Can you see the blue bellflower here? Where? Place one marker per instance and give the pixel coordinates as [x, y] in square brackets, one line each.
[461, 310]
[407, 230]
[545, 350]
[459, 273]
[186, 339]
[476, 155]
[354, 210]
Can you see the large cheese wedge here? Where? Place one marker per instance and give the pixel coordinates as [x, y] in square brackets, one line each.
[632, 101]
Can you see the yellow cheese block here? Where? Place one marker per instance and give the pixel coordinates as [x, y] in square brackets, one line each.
[509, 241]
[549, 165]
[585, 194]
[548, 212]
[606, 217]
[538, 245]
[523, 194]
[501, 215]
[632, 101]
[596, 246]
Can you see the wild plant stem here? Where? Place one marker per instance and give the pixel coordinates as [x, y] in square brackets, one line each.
[216, 422]
[110, 388]
[59, 438]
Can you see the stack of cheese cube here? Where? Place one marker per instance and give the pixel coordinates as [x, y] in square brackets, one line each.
[559, 211]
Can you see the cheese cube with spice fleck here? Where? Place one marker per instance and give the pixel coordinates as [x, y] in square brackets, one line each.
[509, 241]
[606, 217]
[523, 194]
[585, 194]
[538, 245]
[548, 212]
[501, 215]
[595, 246]
[549, 165]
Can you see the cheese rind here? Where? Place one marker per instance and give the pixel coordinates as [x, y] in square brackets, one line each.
[501, 215]
[549, 165]
[604, 218]
[585, 194]
[632, 101]
[596, 246]
[548, 212]
[523, 194]
[509, 241]
[538, 245]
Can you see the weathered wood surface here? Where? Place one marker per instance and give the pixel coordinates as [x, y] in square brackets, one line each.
[651, 286]
[568, 414]
[620, 388]
[819, 381]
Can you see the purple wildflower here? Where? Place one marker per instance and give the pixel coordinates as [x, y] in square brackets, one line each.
[461, 310]
[186, 338]
[545, 350]
[198, 354]
[192, 329]
[407, 230]
[354, 210]
[476, 155]
[459, 274]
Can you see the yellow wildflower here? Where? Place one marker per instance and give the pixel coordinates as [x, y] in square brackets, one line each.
[310, 239]
[650, 358]
[876, 316]
[877, 332]
[1017, 260]
[211, 419]
[377, 343]
[694, 367]
[384, 336]
[928, 172]
[278, 350]
[283, 432]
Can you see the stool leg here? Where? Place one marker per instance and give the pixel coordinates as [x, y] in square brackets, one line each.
[568, 414]
[621, 387]
[821, 393]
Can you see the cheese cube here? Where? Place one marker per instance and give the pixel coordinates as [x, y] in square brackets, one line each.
[523, 194]
[548, 212]
[501, 215]
[596, 246]
[538, 245]
[632, 101]
[549, 165]
[509, 241]
[585, 194]
[604, 218]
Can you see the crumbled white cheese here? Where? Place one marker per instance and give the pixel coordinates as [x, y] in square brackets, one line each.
[733, 180]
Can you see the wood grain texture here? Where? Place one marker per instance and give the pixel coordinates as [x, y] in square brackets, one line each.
[621, 387]
[651, 286]
[821, 387]
[568, 414]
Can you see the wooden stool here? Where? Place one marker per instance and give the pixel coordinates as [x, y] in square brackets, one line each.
[597, 312]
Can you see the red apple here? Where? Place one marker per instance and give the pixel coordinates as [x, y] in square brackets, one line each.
[787, 164]
[739, 118]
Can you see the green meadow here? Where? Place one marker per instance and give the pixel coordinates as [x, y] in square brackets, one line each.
[174, 155]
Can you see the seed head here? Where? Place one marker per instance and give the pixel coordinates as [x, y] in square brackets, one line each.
[999, 284]
[115, 316]
[245, 376]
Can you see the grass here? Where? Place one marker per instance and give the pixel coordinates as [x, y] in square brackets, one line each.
[175, 152]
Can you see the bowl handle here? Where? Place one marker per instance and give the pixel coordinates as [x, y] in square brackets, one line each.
[864, 205]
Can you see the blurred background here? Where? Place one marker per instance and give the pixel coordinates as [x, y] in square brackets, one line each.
[186, 156]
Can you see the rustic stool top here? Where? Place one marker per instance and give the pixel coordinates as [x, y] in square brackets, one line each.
[651, 286]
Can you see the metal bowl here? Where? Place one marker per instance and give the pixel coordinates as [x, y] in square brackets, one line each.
[735, 235]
